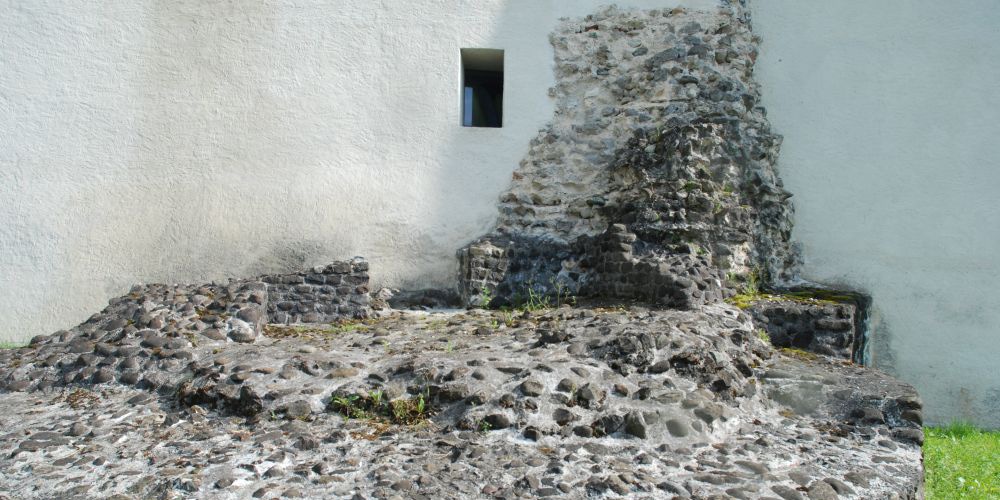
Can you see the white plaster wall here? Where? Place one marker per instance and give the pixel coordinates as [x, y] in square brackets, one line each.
[190, 140]
[890, 116]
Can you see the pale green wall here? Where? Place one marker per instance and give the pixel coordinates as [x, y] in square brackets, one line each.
[892, 148]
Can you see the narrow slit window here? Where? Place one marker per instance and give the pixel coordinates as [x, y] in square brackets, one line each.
[482, 87]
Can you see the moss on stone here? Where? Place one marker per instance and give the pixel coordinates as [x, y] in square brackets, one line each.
[799, 353]
[809, 296]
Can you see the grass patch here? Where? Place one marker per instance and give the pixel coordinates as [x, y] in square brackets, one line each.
[763, 336]
[745, 300]
[317, 331]
[12, 345]
[961, 461]
[799, 353]
[376, 407]
[348, 327]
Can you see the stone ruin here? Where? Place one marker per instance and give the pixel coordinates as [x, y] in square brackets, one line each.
[627, 351]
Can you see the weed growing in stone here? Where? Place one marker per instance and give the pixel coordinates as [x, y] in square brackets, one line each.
[762, 335]
[535, 300]
[752, 284]
[562, 293]
[745, 300]
[508, 318]
[376, 407]
[376, 397]
[484, 426]
[485, 297]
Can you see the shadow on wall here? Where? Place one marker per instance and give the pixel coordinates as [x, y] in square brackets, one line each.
[253, 139]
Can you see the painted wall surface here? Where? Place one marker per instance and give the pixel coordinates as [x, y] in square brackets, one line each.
[184, 141]
[889, 112]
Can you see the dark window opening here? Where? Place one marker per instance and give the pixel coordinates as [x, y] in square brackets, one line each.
[482, 87]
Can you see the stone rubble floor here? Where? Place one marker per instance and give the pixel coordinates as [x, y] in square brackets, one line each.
[567, 403]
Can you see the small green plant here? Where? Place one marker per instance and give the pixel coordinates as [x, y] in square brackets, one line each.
[421, 405]
[752, 284]
[11, 345]
[762, 335]
[398, 409]
[508, 318]
[376, 407]
[536, 300]
[376, 397]
[450, 347]
[485, 297]
[484, 426]
[563, 296]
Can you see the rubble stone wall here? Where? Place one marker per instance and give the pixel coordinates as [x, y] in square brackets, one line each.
[682, 281]
[823, 327]
[657, 128]
[320, 295]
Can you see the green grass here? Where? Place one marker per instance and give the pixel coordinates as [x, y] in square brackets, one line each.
[961, 461]
[12, 345]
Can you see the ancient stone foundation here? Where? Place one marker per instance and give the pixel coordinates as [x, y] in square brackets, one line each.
[668, 142]
[652, 192]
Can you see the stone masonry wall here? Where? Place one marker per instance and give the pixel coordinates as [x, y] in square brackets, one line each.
[320, 295]
[821, 325]
[682, 281]
[658, 128]
[483, 266]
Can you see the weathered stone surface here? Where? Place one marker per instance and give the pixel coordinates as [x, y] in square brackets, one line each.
[659, 181]
[656, 185]
[240, 432]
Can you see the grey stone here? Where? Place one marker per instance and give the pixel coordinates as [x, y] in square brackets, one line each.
[820, 490]
[497, 421]
[839, 486]
[78, 429]
[678, 427]
[786, 493]
[566, 385]
[635, 425]
[532, 387]
[104, 375]
[274, 472]
[563, 416]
